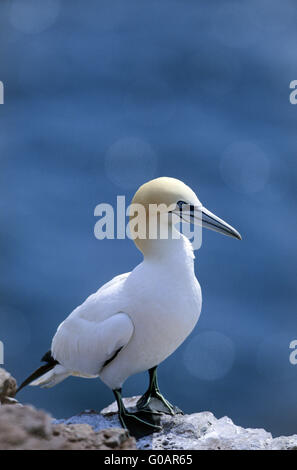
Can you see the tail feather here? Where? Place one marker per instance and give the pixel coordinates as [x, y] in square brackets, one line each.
[52, 377]
[37, 375]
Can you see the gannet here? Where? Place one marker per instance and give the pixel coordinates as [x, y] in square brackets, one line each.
[138, 319]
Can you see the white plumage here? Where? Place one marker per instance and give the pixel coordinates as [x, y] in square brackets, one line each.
[143, 316]
[148, 313]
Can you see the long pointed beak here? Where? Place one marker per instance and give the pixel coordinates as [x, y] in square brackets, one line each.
[199, 215]
[211, 221]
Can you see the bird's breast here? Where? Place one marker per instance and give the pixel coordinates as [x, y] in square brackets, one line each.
[164, 307]
[164, 311]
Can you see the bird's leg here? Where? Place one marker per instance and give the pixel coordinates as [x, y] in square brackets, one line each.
[153, 400]
[140, 423]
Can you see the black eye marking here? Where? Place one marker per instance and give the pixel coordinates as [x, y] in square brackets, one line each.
[180, 204]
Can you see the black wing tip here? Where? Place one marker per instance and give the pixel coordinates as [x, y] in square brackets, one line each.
[47, 357]
[50, 364]
[36, 374]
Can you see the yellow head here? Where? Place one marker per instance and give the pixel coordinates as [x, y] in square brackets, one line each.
[166, 201]
[164, 190]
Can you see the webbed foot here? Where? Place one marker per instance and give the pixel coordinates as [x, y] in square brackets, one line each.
[140, 423]
[153, 400]
[157, 403]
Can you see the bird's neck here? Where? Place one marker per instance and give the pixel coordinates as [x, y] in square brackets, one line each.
[177, 252]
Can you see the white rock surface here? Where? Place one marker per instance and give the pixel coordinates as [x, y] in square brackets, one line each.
[198, 431]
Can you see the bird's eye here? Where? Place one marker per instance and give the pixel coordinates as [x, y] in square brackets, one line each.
[190, 208]
[180, 205]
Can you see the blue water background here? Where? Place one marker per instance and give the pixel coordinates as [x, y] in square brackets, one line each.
[100, 97]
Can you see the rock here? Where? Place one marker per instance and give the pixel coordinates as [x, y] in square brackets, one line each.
[26, 428]
[197, 431]
[23, 427]
[8, 387]
[83, 437]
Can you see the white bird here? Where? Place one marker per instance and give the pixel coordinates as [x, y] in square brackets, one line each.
[135, 321]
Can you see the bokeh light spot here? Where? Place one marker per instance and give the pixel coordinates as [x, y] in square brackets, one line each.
[209, 355]
[33, 16]
[130, 162]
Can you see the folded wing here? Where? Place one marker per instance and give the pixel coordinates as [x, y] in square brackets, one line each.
[84, 347]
